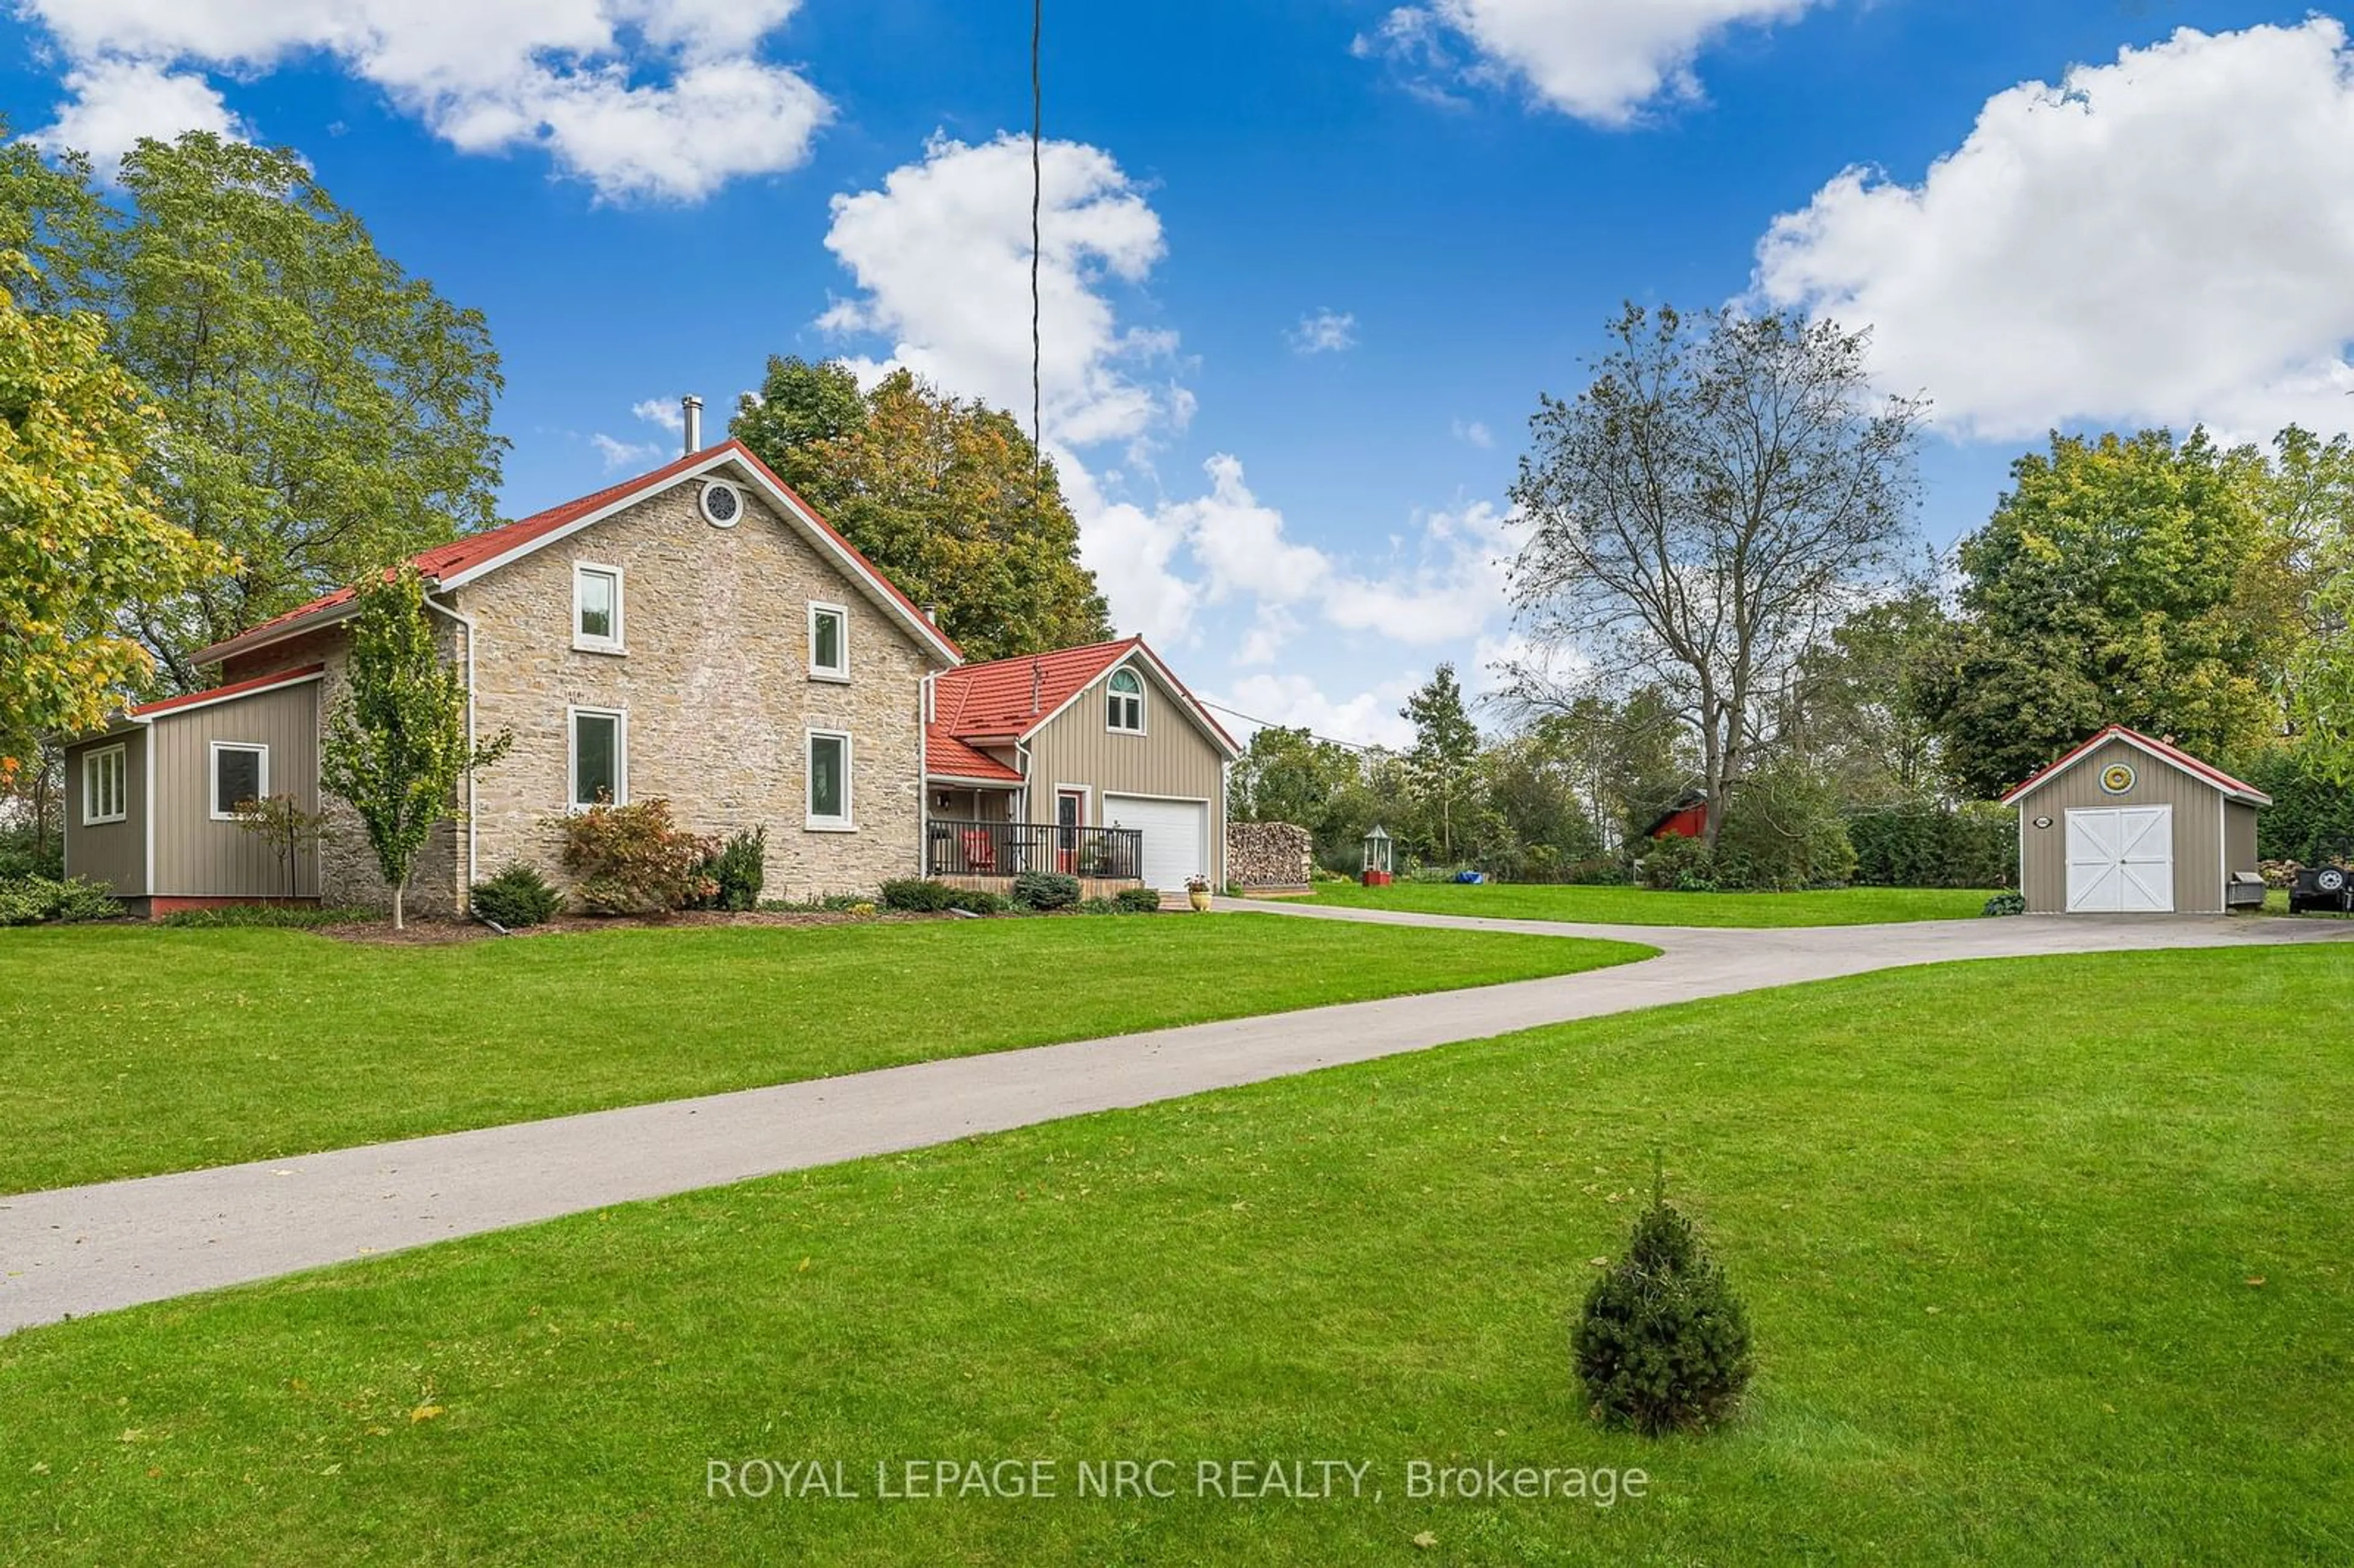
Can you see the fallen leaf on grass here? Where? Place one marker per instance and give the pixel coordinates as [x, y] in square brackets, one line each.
[424, 1413]
[1425, 1541]
[2255, 1280]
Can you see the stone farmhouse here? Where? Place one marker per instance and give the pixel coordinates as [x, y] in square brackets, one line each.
[697, 633]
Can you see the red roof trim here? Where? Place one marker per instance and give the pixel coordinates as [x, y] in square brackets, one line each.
[947, 756]
[480, 552]
[2205, 772]
[234, 689]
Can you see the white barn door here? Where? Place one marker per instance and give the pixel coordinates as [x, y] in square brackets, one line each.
[2121, 861]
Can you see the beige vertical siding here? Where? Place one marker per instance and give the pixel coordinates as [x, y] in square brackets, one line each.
[2239, 836]
[2199, 809]
[111, 853]
[197, 857]
[1172, 758]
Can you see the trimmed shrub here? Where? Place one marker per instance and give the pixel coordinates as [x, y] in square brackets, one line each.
[39, 900]
[1926, 845]
[1663, 1343]
[920, 894]
[1138, 900]
[2007, 904]
[633, 859]
[1676, 864]
[978, 901]
[1045, 890]
[1095, 906]
[736, 873]
[517, 897]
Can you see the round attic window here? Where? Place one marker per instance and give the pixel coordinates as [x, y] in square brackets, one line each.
[2117, 778]
[723, 503]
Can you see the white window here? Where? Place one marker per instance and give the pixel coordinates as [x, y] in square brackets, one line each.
[240, 774]
[599, 758]
[829, 781]
[596, 608]
[105, 786]
[829, 634]
[1127, 704]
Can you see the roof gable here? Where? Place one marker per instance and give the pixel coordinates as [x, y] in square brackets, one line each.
[460, 561]
[2174, 755]
[1017, 698]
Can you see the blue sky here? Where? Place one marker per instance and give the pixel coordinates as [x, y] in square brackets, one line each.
[1313, 263]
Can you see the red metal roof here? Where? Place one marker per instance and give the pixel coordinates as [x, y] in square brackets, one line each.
[234, 689]
[1013, 696]
[946, 756]
[475, 550]
[2207, 772]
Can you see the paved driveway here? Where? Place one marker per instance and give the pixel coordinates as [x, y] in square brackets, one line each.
[88, 1249]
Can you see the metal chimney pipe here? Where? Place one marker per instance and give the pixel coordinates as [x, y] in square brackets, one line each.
[693, 406]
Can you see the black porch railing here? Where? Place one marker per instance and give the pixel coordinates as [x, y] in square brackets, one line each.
[1008, 849]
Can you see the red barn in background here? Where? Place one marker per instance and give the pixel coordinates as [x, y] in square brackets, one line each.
[1687, 818]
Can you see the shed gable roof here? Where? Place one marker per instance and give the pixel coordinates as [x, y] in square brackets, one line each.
[460, 560]
[2205, 773]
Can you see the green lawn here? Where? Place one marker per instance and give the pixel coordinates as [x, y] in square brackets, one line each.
[125, 1051]
[2048, 1262]
[1640, 906]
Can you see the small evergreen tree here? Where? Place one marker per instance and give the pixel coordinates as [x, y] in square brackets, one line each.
[1663, 1344]
[395, 744]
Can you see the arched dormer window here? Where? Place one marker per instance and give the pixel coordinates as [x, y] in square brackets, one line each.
[1126, 695]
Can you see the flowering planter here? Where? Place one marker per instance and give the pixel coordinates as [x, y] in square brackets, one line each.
[1198, 897]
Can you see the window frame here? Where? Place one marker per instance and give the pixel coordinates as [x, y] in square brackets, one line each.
[573, 714]
[119, 755]
[1113, 697]
[582, 640]
[841, 612]
[213, 750]
[847, 823]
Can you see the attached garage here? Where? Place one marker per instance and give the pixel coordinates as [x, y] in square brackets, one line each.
[1176, 836]
[2128, 825]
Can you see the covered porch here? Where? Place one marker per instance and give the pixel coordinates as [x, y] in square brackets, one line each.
[983, 854]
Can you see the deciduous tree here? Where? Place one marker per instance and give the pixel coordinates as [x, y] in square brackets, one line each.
[395, 747]
[2121, 580]
[1725, 491]
[324, 413]
[82, 540]
[947, 497]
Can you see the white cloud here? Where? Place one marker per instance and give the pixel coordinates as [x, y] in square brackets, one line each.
[1368, 718]
[2164, 239]
[1326, 332]
[1601, 61]
[941, 254]
[1475, 433]
[116, 101]
[620, 454]
[657, 99]
[663, 412]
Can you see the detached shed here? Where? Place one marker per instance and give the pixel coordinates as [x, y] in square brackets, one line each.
[2127, 825]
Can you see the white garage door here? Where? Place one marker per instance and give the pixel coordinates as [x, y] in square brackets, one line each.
[2121, 861]
[1176, 836]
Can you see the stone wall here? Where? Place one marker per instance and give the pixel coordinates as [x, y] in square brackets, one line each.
[716, 686]
[1269, 854]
